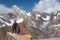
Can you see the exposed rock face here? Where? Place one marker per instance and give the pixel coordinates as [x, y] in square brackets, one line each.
[3, 32]
[53, 28]
[2, 35]
[12, 36]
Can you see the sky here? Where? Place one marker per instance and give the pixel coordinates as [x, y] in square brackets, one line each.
[47, 6]
[30, 5]
[26, 5]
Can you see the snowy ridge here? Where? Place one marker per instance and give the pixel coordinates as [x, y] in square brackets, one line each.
[20, 20]
[11, 21]
[47, 18]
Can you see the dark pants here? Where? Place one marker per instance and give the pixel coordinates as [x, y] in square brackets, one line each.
[14, 30]
[18, 30]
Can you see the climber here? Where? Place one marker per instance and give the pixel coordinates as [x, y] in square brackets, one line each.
[18, 29]
[14, 27]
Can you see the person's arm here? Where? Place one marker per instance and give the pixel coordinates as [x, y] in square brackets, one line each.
[13, 25]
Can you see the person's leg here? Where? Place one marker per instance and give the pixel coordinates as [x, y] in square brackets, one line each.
[18, 30]
[13, 30]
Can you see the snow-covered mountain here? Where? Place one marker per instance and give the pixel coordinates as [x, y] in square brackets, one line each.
[19, 15]
[38, 20]
[8, 18]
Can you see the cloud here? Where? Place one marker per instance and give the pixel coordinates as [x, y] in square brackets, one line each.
[47, 6]
[4, 9]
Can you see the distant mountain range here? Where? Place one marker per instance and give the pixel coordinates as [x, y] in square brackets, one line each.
[38, 21]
